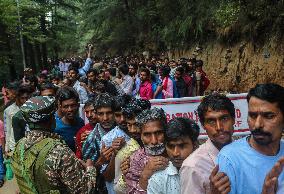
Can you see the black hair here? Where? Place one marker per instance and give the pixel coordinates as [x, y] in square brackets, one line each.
[66, 93]
[134, 65]
[104, 100]
[71, 67]
[92, 70]
[112, 71]
[42, 75]
[165, 70]
[46, 86]
[147, 71]
[33, 79]
[269, 92]
[89, 102]
[180, 69]
[216, 102]
[199, 63]
[135, 107]
[13, 85]
[182, 127]
[23, 89]
[124, 69]
[121, 101]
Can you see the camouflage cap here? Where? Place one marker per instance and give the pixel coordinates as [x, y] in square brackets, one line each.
[38, 108]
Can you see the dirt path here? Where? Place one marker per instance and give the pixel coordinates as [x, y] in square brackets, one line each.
[9, 187]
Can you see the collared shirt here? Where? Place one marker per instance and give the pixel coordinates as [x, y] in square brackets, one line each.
[127, 84]
[91, 147]
[246, 167]
[107, 139]
[9, 112]
[137, 84]
[83, 95]
[165, 181]
[138, 161]
[146, 92]
[168, 88]
[79, 144]
[196, 169]
[125, 152]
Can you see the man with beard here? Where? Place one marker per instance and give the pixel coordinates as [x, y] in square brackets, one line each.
[130, 112]
[83, 133]
[181, 141]
[70, 123]
[145, 161]
[115, 138]
[247, 161]
[73, 75]
[217, 116]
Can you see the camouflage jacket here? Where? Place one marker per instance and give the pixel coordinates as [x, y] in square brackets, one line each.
[62, 167]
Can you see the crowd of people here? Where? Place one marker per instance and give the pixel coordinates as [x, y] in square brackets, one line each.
[127, 146]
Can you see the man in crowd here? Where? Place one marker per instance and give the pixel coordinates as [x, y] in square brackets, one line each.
[42, 163]
[133, 72]
[127, 81]
[145, 91]
[70, 123]
[47, 89]
[217, 116]
[83, 133]
[115, 138]
[73, 75]
[22, 95]
[180, 83]
[181, 141]
[145, 161]
[130, 112]
[248, 160]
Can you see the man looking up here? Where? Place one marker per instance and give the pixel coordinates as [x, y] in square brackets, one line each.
[83, 133]
[181, 141]
[70, 123]
[145, 161]
[217, 116]
[248, 160]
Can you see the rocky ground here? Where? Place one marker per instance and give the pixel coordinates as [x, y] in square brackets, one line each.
[240, 67]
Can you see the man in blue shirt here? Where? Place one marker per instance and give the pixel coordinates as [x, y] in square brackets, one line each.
[70, 123]
[248, 160]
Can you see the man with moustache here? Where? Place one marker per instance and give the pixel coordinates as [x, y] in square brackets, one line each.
[217, 116]
[247, 161]
[151, 157]
[181, 141]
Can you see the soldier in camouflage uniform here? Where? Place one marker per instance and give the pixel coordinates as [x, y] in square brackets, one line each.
[42, 162]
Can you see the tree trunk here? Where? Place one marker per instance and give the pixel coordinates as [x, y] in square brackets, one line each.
[43, 45]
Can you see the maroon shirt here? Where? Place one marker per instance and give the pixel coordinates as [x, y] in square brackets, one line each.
[88, 127]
